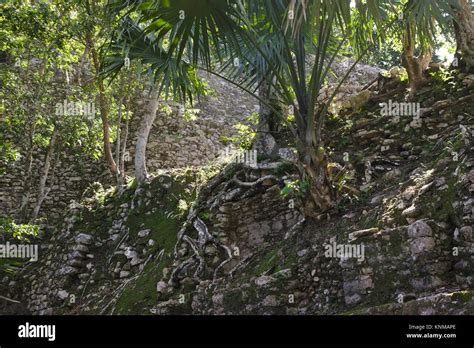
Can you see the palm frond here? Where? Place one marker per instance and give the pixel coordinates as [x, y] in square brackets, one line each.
[422, 15]
[172, 76]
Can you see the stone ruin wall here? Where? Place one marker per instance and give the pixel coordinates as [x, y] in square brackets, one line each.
[174, 142]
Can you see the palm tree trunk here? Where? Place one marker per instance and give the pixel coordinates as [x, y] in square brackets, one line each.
[319, 196]
[141, 174]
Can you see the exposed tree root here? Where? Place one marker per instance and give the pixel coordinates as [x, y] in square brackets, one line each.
[242, 263]
[200, 202]
[198, 254]
[295, 228]
[256, 182]
[223, 263]
[231, 188]
[182, 268]
[9, 299]
[198, 246]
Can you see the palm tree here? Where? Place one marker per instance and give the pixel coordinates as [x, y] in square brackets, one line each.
[196, 31]
[287, 46]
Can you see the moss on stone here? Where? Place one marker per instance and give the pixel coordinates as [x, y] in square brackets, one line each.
[163, 229]
[164, 220]
[267, 261]
[463, 296]
[143, 293]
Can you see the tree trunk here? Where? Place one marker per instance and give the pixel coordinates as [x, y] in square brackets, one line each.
[82, 65]
[415, 65]
[118, 141]
[27, 181]
[124, 147]
[464, 32]
[104, 112]
[265, 143]
[42, 192]
[319, 196]
[141, 174]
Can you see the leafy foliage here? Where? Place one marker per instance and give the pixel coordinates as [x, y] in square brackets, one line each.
[18, 231]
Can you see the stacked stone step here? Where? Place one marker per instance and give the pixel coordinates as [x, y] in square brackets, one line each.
[78, 253]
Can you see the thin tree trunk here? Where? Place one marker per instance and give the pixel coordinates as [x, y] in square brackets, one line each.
[27, 182]
[104, 112]
[265, 143]
[42, 192]
[118, 142]
[141, 174]
[124, 144]
[415, 65]
[29, 158]
[82, 64]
